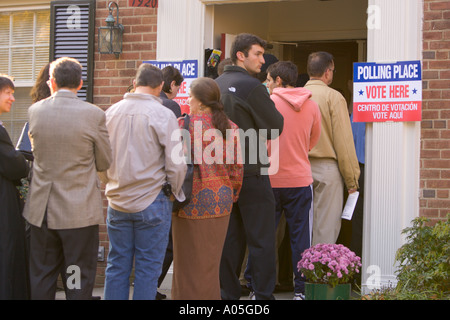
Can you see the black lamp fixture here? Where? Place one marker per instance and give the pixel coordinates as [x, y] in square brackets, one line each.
[110, 37]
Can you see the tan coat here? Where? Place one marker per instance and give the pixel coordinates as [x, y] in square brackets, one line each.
[70, 144]
[336, 137]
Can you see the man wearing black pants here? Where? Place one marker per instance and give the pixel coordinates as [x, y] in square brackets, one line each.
[64, 205]
[252, 222]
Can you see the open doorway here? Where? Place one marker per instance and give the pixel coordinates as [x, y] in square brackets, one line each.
[294, 29]
[345, 54]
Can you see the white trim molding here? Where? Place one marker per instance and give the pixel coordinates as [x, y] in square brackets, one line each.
[392, 148]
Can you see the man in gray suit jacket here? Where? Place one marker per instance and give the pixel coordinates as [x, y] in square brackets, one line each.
[64, 207]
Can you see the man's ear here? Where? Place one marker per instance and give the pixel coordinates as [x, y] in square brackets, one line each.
[80, 85]
[240, 56]
[279, 82]
[172, 85]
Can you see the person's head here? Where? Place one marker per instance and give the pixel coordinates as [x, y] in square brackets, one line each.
[6, 93]
[172, 81]
[41, 89]
[281, 74]
[204, 96]
[222, 64]
[65, 73]
[321, 66]
[247, 52]
[269, 59]
[149, 79]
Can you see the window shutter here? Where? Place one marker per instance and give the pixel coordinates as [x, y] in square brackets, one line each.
[72, 32]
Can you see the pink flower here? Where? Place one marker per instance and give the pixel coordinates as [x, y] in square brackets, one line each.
[329, 263]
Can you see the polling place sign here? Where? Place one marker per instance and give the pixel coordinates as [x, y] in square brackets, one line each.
[387, 91]
[189, 71]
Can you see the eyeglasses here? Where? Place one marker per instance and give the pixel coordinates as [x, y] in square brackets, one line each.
[333, 70]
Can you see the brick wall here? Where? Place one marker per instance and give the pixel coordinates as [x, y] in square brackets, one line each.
[112, 75]
[435, 133]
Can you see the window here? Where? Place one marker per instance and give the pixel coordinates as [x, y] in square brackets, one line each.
[24, 50]
[24, 44]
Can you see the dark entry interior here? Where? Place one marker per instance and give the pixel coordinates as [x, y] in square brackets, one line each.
[345, 54]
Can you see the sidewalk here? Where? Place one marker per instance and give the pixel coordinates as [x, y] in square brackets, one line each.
[166, 287]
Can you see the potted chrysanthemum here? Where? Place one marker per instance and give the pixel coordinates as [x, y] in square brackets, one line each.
[329, 270]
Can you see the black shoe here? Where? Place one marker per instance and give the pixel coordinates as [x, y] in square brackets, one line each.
[245, 291]
[160, 296]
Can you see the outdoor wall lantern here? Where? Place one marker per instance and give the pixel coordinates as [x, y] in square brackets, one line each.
[110, 37]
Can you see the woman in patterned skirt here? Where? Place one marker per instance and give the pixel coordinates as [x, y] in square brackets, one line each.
[200, 228]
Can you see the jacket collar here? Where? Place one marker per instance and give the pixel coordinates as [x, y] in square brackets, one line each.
[235, 68]
[142, 96]
[65, 93]
[316, 82]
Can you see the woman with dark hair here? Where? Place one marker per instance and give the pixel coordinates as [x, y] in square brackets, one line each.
[172, 82]
[13, 167]
[199, 229]
[41, 89]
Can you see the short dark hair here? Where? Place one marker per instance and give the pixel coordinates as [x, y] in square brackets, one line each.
[243, 43]
[67, 72]
[286, 70]
[318, 63]
[171, 74]
[6, 82]
[222, 64]
[148, 75]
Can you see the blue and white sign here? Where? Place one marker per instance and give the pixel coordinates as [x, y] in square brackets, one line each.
[189, 71]
[387, 91]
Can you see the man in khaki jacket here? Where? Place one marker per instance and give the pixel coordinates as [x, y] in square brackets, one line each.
[333, 159]
[64, 206]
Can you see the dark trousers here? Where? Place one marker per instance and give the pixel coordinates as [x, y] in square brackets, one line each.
[72, 250]
[358, 217]
[296, 203]
[252, 223]
[168, 258]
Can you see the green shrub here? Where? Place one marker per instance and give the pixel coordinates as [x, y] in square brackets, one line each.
[423, 264]
[424, 261]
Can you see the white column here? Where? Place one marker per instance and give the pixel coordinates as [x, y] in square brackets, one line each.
[392, 148]
[180, 34]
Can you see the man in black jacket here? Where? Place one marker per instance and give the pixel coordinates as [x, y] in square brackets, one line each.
[252, 221]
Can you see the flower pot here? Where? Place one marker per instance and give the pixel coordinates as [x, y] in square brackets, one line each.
[319, 291]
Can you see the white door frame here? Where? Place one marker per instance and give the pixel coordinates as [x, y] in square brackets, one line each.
[392, 148]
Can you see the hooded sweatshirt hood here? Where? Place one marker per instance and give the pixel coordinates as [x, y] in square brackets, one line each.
[295, 97]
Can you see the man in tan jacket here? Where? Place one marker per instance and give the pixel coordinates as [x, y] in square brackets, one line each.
[333, 159]
[64, 207]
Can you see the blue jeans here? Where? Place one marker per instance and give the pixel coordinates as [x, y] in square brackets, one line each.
[142, 236]
[296, 203]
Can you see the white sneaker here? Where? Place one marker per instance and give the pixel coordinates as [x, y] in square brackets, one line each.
[299, 296]
[252, 295]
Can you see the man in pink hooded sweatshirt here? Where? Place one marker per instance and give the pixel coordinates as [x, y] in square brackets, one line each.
[290, 170]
